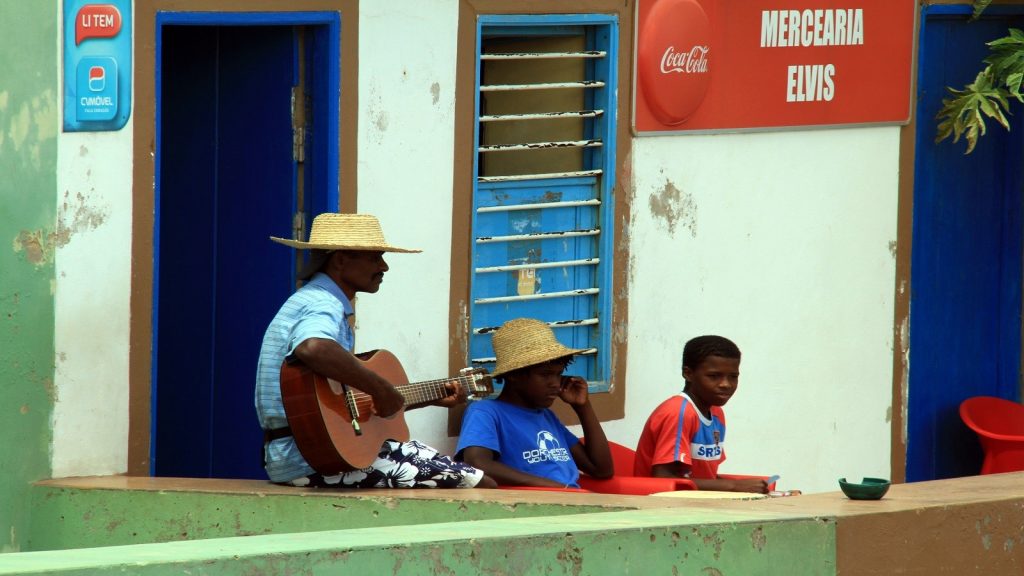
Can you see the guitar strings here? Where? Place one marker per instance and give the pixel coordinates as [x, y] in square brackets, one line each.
[418, 391]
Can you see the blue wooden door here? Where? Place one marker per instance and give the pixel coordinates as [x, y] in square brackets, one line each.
[227, 179]
[965, 301]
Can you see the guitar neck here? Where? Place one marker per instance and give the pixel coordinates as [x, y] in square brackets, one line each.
[416, 393]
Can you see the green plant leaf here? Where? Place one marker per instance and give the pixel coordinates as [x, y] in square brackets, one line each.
[963, 115]
[979, 7]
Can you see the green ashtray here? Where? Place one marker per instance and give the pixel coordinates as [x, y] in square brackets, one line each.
[866, 489]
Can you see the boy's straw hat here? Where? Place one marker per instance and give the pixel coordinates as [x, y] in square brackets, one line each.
[333, 231]
[526, 342]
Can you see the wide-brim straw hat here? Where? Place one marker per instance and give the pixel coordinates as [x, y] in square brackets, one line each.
[526, 342]
[334, 231]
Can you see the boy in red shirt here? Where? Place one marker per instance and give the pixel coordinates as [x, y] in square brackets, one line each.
[685, 435]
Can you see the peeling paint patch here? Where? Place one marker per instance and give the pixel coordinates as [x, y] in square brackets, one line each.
[888, 414]
[571, 554]
[892, 248]
[904, 376]
[380, 120]
[435, 92]
[24, 409]
[51, 390]
[43, 111]
[75, 216]
[32, 244]
[714, 540]
[13, 546]
[758, 539]
[18, 128]
[711, 571]
[674, 207]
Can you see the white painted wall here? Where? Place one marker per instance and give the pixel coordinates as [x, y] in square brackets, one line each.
[406, 144]
[783, 243]
[92, 294]
[780, 241]
[92, 261]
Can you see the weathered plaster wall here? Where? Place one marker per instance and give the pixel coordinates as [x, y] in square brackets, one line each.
[93, 271]
[406, 140]
[782, 242]
[28, 240]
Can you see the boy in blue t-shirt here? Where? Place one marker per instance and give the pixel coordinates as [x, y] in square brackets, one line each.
[516, 439]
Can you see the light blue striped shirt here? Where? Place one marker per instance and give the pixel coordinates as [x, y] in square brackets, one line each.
[317, 310]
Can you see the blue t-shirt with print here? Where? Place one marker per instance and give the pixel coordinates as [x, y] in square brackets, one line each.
[530, 440]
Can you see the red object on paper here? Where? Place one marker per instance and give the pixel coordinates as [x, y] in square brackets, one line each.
[724, 65]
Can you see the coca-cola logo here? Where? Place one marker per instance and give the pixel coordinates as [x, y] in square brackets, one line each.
[674, 59]
[694, 61]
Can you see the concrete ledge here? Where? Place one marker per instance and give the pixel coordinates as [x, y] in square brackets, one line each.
[653, 541]
[117, 510]
[969, 525]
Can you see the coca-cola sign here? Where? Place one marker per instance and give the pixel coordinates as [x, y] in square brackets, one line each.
[674, 62]
[693, 61]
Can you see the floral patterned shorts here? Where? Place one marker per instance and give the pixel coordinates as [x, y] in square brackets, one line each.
[402, 465]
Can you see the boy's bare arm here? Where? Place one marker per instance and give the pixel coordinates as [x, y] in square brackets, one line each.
[593, 457]
[679, 470]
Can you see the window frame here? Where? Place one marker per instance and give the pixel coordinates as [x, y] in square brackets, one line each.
[609, 405]
[601, 34]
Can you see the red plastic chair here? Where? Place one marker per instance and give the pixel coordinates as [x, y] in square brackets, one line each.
[999, 424]
[623, 481]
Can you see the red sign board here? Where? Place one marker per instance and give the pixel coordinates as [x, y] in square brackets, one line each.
[723, 65]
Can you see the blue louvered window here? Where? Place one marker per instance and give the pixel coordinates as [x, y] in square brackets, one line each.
[542, 198]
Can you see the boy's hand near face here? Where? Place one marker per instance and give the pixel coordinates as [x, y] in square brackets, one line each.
[574, 391]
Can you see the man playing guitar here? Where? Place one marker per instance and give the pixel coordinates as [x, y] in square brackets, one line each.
[312, 329]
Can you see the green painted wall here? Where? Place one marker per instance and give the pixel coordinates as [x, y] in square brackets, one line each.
[69, 518]
[659, 541]
[29, 118]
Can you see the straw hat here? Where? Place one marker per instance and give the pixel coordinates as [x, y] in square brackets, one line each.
[526, 342]
[333, 231]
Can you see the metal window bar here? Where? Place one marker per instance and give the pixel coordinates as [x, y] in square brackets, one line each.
[518, 177]
[540, 296]
[555, 324]
[541, 116]
[542, 55]
[538, 265]
[538, 206]
[492, 359]
[542, 86]
[541, 145]
[538, 236]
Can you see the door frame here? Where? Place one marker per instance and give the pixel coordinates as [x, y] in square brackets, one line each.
[910, 425]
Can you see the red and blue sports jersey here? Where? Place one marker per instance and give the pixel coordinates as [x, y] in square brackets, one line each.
[677, 432]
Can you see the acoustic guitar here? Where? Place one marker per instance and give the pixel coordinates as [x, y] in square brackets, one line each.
[334, 426]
